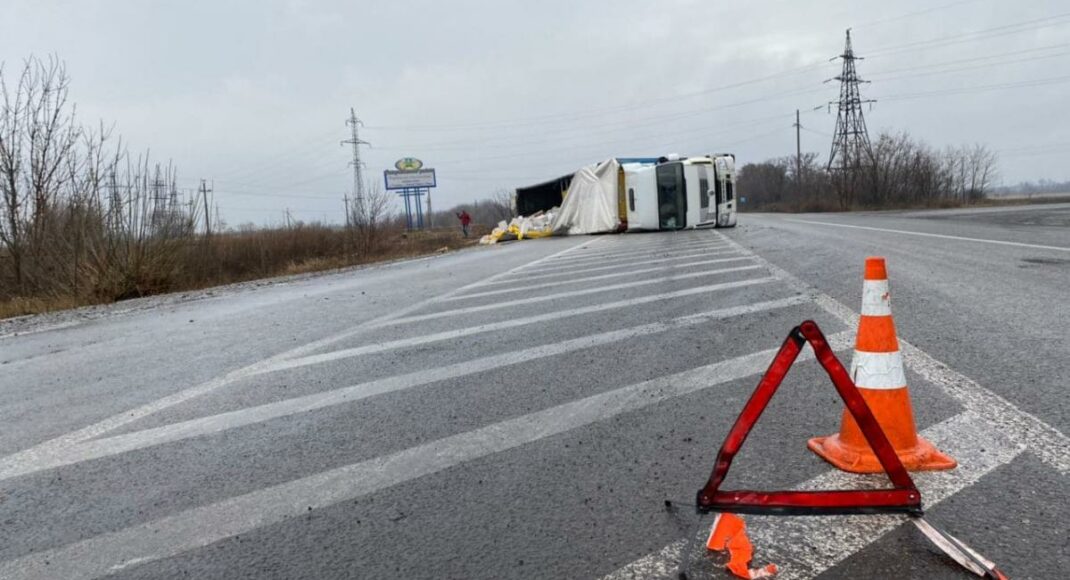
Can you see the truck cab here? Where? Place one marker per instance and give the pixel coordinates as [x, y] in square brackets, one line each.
[695, 192]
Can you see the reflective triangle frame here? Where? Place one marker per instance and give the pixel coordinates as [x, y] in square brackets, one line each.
[902, 497]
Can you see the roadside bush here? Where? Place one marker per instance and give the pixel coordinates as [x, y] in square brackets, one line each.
[900, 173]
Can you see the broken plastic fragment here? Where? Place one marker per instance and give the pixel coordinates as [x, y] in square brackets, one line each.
[729, 532]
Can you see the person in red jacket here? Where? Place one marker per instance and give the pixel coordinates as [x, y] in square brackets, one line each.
[465, 220]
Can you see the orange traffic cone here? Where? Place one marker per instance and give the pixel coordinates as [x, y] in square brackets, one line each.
[877, 370]
[729, 532]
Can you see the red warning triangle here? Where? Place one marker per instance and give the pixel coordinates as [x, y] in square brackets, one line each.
[903, 497]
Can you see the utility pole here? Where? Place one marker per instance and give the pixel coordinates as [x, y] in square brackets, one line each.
[345, 198]
[850, 142]
[430, 214]
[207, 214]
[158, 200]
[358, 166]
[798, 151]
[115, 206]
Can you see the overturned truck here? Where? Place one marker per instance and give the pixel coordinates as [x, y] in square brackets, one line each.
[637, 194]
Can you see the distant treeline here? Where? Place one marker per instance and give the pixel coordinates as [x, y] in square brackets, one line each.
[1042, 186]
[900, 172]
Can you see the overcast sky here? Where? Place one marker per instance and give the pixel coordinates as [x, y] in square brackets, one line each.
[254, 93]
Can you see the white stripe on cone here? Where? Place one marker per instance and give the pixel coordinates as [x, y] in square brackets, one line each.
[878, 370]
[876, 298]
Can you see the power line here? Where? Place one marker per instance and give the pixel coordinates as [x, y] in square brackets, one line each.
[909, 15]
[978, 88]
[275, 195]
[972, 67]
[1014, 28]
[630, 128]
[972, 59]
[302, 148]
[594, 113]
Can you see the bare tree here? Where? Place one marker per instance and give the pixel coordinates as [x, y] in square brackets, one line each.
[368, 221]
[37, 135]
[503, 205]
[981, 164]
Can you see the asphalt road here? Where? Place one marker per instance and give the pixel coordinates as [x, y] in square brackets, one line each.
[523, 411]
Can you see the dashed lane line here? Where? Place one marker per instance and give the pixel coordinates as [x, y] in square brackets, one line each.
[126, 442]
[199, 527]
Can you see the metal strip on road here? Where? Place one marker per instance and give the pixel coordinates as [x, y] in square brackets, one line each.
[201, 426]
[804, 547]
[502, 325]
[928, 235]
[28, 456]
[559, 295]
[199, 527]
[581, 279]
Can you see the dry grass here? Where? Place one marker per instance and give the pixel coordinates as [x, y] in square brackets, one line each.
[231, 257]
[22, 306]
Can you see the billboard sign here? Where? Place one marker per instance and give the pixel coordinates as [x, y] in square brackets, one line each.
[408, 179]
[408, 164]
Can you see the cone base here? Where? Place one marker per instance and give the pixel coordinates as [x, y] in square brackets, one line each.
[921, 457]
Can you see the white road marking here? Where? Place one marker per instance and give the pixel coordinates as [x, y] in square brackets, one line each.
[657, 240]
[581, 279]
[28, 456]
[524, 278]
[625, 257]
[199, 527]
[942, 236]
[570, 294]
[804, 547]
[633, 252]
[501, 325]
[1046, 442]
[621, 261]
[126, 442]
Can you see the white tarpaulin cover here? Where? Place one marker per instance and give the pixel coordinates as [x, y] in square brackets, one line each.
[590, 206]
